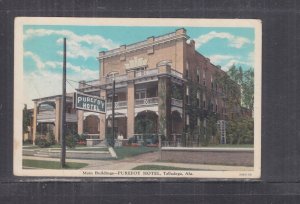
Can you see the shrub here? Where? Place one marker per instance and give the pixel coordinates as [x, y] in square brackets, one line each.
[42, 142]
[70, 141]
[27, 142]
[51, 138]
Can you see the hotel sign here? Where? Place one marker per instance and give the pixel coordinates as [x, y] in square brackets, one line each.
[89, 103]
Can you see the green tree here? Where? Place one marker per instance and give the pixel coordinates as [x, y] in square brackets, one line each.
[238, 88]
[240, 131]
[26, 119]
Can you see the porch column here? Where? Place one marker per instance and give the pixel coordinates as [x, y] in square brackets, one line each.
[164, 102]
[130, 107]
[80, 121]
[57, 118]
[102, 119]
[34, 122]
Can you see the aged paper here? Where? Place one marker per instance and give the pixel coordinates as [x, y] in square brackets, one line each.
[156, 98]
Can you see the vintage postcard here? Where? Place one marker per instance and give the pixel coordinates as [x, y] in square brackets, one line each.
[137, 98]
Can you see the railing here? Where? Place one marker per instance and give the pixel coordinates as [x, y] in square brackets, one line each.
[176, 73]
[146, 101]
[176, 102]
[117, 78]
[118, 105]
[175, 141]
[146, 72]
[46, 115]
[50, 116]
[91, 83]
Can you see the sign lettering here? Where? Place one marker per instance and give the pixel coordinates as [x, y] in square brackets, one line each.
[89, 103]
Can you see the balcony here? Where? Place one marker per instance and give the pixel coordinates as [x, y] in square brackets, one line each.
[139, 76]
[147, 72]
[118, 105]
[49, 116]
[176, 102]
[146, 101]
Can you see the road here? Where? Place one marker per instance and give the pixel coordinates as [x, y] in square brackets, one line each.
[142, 159]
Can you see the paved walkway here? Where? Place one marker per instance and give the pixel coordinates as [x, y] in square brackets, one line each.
[142, 159]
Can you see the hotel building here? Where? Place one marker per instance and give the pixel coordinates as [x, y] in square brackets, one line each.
[157, 81]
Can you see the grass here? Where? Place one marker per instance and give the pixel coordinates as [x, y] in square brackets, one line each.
[124, 152]
[51, 164]
[159, 167]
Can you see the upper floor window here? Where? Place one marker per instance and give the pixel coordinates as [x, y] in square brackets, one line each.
[140, 94]
[204, 78]
[187, 119]
[187, 69]
[198, 99]
[198, 75]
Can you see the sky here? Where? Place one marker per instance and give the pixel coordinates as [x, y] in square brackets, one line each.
[43, 51]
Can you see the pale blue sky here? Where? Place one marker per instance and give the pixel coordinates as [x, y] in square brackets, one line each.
[43, 51]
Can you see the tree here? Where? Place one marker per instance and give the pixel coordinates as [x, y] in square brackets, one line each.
[26, 119]
[239, 93]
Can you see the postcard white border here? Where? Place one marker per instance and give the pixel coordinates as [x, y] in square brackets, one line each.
[18, 90]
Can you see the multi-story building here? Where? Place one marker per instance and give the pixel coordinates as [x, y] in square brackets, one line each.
[161, 83]
[162, 86]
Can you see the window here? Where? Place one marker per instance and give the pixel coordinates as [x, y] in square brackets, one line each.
[204, 100]
[198, 99]
[198, 121]
[198, 75]
[204, 125]
[187, 69]
[187, 119]
[204, 78]
[140, 94]
[187, 95]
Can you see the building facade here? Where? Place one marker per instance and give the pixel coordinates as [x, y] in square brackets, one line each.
[160, 83]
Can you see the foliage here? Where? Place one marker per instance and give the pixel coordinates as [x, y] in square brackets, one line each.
[240, 131]
[26, 119]
[27, 142]
[42, 141]
[51, 138]
[73, 139]
[70, 141]
[143, 125]
[239, 85]
[239, 128]
[176, 92]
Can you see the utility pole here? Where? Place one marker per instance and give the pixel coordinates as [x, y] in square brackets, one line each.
[113, 107]
[113, 112]
[63, 112]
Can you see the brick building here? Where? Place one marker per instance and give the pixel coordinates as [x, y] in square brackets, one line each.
[160, 83]
[163, 86]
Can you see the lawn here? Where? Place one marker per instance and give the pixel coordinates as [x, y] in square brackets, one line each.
[124, 152]
[51, 164]
[159, 167]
